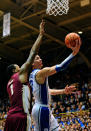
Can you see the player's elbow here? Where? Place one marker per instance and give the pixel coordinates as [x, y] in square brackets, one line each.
[52, 92]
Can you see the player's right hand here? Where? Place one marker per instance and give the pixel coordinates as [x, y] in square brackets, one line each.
[77, 47]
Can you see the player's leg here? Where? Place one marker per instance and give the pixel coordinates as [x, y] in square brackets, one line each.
[35, 112]
[44, 118]
[40, 116]
[54, 126]
[28, 128]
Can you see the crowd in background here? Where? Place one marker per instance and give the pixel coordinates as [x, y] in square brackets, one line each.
[73, 112]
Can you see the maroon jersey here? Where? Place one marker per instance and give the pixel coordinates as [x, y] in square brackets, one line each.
[19, 94]
[18, 118]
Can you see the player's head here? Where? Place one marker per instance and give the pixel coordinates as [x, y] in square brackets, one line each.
[13, 68]
[37, 63]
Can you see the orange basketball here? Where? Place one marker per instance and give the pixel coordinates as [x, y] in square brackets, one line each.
[70, 39]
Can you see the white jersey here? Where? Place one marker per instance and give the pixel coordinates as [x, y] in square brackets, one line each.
[40, 91]
[43, 119]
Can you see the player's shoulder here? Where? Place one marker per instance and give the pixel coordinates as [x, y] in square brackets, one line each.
[33, 74]
[35, 71]
[15, 75]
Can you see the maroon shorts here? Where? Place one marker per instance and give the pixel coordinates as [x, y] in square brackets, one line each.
[16, 122]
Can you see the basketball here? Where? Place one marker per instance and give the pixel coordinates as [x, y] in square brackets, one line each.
[70, 39]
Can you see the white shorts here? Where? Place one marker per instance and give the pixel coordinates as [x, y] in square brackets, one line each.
[43, 119]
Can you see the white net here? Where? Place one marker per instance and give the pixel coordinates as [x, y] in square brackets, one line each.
[57, 7]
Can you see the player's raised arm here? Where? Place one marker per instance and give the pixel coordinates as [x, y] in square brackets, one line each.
[48, 71]
[25, 67]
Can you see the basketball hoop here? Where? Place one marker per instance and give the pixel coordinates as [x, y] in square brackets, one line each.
[57, 7]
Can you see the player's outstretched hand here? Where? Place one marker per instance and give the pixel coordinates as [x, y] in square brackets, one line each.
[77, 47]
[70, 89]
[42, 27]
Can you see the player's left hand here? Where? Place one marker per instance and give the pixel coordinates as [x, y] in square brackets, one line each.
[70, 89]
[42, 27]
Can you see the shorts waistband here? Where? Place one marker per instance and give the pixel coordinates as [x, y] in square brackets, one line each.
[42, 104]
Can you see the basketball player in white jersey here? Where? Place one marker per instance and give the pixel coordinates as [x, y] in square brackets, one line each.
[43, 119]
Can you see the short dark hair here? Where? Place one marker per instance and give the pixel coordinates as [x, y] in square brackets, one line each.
[10, 70]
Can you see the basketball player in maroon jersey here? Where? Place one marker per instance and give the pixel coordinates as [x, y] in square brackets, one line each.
[19, 91]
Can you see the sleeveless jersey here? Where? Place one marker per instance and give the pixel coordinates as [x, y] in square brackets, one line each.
[19, 95]
[40, 91]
